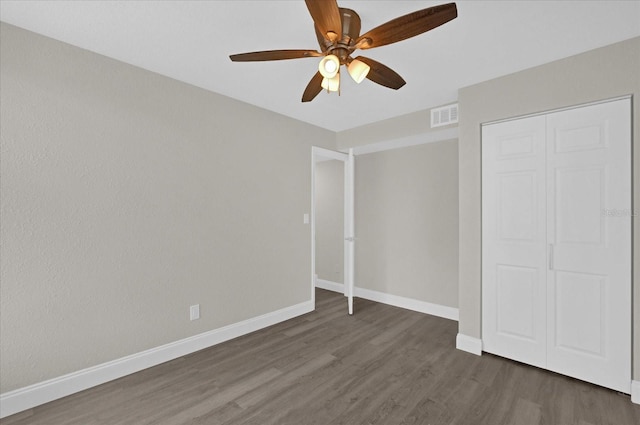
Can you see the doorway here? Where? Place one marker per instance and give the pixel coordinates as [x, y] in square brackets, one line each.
[332, 215]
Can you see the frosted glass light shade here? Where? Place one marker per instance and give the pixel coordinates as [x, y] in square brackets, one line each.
[358, 70]
[331, 84]
[329, 66]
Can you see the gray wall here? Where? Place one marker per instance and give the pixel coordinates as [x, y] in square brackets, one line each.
[413, 124]
[127, 197]
[599, 74]
[407, 222]
[329, 181]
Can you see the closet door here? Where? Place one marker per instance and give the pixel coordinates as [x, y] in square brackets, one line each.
[589, 237]
[514, 240]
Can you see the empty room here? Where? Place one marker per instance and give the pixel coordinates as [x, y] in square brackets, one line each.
[319, 212]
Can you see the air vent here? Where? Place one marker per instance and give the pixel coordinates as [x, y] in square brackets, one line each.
[444, 116]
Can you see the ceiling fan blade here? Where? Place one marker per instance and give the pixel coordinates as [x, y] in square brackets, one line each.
[382, 74]
[326, 15]
[274, 55]
[408, 26]
[313, 88]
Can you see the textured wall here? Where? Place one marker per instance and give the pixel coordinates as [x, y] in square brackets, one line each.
[126, 197]
[599, 74]
[329, 181]
[407, 222]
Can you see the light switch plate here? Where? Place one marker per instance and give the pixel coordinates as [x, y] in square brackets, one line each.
[194, 312]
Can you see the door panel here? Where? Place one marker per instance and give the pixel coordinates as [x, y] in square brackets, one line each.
[516, 295]
[514, 262]
[581, 318]
[580, 138]
[579, 205]
[349, 229]
[589, 287]
[516, 206]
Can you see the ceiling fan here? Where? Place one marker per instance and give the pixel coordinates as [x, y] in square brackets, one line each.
[338, 33]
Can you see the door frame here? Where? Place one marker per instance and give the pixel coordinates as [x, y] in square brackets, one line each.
[321, 154]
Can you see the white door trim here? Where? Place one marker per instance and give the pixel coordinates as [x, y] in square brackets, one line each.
[551, 111]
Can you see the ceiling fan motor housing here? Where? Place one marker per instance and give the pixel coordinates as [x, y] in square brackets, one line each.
[350, 33]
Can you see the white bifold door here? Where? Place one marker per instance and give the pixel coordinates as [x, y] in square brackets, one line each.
[556, 242]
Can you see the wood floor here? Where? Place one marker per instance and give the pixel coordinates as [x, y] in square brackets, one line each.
[385, 365]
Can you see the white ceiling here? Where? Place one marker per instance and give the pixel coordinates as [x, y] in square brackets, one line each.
[191, 41]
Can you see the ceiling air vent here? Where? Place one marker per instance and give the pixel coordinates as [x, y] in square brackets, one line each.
[444, 116]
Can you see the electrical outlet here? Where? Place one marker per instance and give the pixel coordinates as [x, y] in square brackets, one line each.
[194, 312]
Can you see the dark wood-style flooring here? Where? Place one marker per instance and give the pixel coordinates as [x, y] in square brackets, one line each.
[385, 365]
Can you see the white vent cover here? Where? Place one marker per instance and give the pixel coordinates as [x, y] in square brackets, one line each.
[444, 116]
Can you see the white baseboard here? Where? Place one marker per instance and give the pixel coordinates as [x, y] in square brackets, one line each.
[329, 286]
[635, 392]
[408, 303]
[43, 392]
[394, 300]
[469, 344]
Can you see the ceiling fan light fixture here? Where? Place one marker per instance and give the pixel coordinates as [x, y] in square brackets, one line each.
[331, 84]
[338, 34]
[329, 66]
[358, 70]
